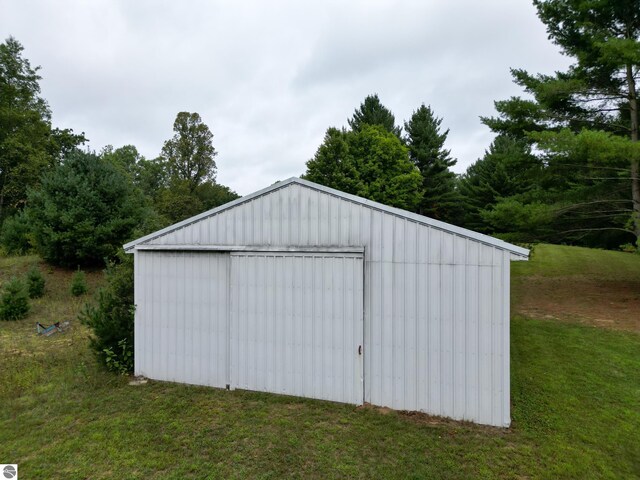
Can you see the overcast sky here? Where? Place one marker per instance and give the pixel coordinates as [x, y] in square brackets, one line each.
[269, 77]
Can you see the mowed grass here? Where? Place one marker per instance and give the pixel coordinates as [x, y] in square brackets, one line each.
[575, 395]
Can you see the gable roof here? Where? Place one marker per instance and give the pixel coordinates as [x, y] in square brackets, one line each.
[463, 232]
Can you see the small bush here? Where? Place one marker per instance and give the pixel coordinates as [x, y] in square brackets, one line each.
[120, 361]
[35, 283]
[111, 317]
[14, 302]
[79, 283]
[15, 235]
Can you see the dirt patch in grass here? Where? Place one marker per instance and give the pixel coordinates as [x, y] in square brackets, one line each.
[603, 303]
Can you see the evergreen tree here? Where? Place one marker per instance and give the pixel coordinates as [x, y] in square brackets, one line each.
[596, 94]
[84, 211]
[372, 112]
[507, 169]
[426, 150]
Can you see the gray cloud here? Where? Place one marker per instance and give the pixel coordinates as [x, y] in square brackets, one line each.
[270, 77]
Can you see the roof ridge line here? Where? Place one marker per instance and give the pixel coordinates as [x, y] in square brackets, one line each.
[438, 224]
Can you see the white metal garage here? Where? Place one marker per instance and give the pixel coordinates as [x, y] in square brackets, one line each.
[304, 290]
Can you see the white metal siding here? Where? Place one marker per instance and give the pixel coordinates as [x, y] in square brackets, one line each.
[297, 323]
[181, 316]
[436, 303]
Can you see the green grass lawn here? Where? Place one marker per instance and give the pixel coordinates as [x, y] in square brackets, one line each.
[564, 261]
[575, 395]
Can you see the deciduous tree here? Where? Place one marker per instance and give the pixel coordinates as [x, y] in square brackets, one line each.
[190, 153]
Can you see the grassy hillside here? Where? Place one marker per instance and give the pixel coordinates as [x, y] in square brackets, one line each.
[576, 406]
[580, 285]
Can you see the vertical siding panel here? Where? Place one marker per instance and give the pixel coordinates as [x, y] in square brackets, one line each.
[472, 360]
[149, 308]
[181, 321]
[484, 334]
[159, 291]
[305, 221]
[170, 326]
[374, 332]
[496, 339]
[294, 219]
[409, 353]
[411, 307]
[335, 223]
[318, 314]
[446, 331]
[299, 319]
[506, 325]
[138, 325]
[323, 218]
[386, 334]
[397, 325]
[309, 322]
[460, 331]
[422, 335]
[435, 319]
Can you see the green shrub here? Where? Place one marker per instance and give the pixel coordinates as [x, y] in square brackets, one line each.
[14, 302]
[111, 316]
[79, 283]
[84, 210]
[35, 283]
[120, 361]
[15, 235]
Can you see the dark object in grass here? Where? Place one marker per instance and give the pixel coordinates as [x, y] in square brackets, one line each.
[51, 329]
[35, 283]
[14, 302]
[79, 283]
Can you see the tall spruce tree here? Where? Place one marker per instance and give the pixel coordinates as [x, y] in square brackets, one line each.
[426, 150]
[373, 112]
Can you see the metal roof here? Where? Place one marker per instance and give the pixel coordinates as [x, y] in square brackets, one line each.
[463, 232]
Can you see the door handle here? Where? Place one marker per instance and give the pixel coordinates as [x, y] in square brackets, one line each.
[359, 349]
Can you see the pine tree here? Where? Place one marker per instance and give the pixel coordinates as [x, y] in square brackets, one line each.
[596, 94]
[507, 169]
[426, 150]
[372, 112]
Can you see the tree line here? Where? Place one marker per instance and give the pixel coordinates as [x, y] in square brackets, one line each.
[76, 207]
[564, 166]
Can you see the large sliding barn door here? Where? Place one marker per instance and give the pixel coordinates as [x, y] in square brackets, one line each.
[296, 324]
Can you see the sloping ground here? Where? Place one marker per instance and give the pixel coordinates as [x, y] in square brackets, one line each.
[594, 287]
[575, 395]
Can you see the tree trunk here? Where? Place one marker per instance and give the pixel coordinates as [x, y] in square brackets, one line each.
[635, 164]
